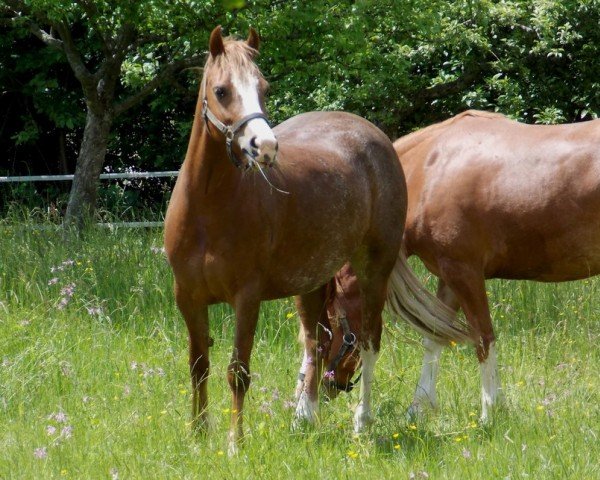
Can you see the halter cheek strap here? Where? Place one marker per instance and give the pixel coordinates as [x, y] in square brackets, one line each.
[349, 341]
[229, 131]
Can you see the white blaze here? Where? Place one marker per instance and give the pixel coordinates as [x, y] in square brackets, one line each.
[265, 143]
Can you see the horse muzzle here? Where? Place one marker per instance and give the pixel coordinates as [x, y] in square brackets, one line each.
[261, 152]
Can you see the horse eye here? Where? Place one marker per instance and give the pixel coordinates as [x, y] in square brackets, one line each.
[220, 92]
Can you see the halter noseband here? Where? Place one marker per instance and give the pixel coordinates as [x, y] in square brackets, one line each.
[229, 131]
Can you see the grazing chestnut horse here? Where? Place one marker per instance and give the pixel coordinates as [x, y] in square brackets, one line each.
[259, 214]
[489, 197]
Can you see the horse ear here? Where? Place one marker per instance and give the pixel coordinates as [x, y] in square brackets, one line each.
[215, 44]
[253, 39]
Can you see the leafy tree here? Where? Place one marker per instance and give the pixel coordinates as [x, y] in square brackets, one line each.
[119, 52]
[402, 65]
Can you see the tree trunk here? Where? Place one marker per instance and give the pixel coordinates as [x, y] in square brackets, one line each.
[82, 200]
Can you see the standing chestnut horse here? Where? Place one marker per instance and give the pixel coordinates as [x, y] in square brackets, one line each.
[335, 194]
[491, 198]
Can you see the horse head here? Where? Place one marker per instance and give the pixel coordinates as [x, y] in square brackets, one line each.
[338, 336]
[340, 355]
[233, 94]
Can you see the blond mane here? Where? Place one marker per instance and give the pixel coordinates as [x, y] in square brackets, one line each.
[238, 57]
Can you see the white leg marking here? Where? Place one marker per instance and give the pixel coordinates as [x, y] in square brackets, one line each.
[232, 447]
[425, 394]
[306, 410]
[491, 390]
[302, 372]
[363, 415]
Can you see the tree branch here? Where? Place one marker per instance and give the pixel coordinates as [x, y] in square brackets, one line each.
[91, 10]
[82, 74]
[166, 72]
[422, 97]
[45, 37]
[15, 9]
[449, 88]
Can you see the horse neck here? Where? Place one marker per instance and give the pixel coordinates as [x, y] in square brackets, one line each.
[209, 175]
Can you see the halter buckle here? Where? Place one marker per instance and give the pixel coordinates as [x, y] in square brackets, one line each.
[349, 339]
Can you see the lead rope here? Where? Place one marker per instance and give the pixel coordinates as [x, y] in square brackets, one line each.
[267, 180]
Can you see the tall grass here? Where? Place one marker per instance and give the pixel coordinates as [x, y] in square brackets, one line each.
[94, 380]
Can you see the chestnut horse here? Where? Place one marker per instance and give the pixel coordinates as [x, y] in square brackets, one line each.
[489, 197]
[259, 214]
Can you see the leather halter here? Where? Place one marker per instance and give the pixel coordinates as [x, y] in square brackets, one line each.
[349, 340]
[229, 131]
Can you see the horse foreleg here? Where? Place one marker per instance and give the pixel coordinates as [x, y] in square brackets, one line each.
[196, 319]
[238, 372]
[425, 397]
[311, 309]
[301, 377]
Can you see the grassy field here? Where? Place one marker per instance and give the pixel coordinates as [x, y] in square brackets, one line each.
[94, 380]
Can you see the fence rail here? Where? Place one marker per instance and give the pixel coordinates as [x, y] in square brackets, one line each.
[103, 176]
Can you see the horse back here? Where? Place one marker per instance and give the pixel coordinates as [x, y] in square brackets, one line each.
[514, 200]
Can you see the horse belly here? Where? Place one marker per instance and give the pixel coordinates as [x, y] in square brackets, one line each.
[303, 280]
[575, 257]
[305, 266]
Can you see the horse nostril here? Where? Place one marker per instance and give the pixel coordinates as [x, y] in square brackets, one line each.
[253, 143]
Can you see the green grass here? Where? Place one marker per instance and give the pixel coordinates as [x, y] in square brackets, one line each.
[106, 394]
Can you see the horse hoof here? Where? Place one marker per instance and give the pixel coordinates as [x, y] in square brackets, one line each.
[232, 448]
[200, 425]
[418, 410]
[415, 412]
[362, 420]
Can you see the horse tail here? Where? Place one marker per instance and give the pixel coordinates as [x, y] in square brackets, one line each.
[424, 312]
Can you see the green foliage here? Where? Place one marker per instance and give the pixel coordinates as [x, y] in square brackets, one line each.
[403, 65]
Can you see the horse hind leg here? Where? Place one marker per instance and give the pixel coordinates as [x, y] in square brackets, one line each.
[425, 397]
[468, 284]
[312, 311]
[372, 279]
